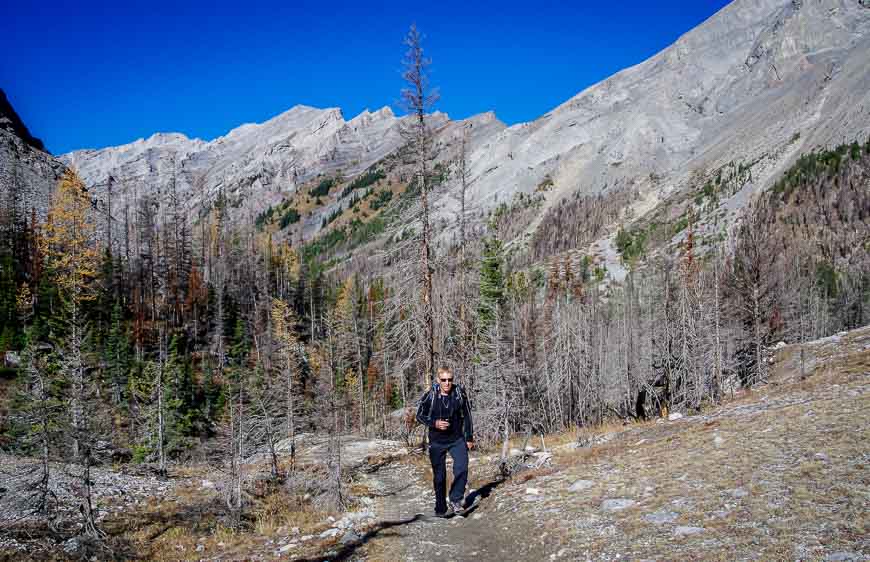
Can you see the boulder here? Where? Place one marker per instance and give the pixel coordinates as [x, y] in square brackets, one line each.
[349, 537]
[660, 517]
[580, 485]
[617, 504]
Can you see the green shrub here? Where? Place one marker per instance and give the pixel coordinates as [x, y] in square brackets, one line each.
[323, 187]
[289, 217]
[381, 199]
[630, 245]
[141, 453]
[364, 180]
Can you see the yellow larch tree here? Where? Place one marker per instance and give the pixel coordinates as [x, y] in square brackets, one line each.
[68, 241]
[69, 245]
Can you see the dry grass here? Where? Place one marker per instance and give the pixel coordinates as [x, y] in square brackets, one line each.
[194, 524]
[164, 532]
[777, 473]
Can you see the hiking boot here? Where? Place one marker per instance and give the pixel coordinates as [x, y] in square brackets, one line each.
[456, 506]
[450, 511]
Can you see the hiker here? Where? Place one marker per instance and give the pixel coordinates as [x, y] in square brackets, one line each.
[445, 410]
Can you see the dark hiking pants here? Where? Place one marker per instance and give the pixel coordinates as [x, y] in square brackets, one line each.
[438, 456]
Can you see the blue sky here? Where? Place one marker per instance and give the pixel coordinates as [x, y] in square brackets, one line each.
[90, 74]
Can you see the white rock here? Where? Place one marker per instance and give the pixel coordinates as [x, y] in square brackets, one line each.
[329, 533]
[675, 416]
[685, 531]
[288, 547]
[661, 516]
[718, 441]
[349, 537]
[617, 504]
[580, 485]
[542, 459]
[843, 556]
[533, 492]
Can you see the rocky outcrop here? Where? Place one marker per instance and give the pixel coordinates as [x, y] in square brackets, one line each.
[254, 165]
[11, 122]
[27, 175]
[740, 85]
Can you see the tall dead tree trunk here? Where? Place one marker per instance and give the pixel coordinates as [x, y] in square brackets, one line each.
[418, 98]
[161, 400]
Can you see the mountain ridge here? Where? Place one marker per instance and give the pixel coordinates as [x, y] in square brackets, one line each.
[756, 82]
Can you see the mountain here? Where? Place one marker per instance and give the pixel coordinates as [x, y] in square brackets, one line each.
[752, 87]
[254, 165]
[10, 121]
[758, 83]
[28, 173]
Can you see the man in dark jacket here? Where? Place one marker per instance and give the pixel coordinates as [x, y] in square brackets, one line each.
[445, 410]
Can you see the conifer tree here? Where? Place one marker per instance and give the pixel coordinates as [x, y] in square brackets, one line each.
[69, 245]
[283, 325]
[117, 356]
[492, 282]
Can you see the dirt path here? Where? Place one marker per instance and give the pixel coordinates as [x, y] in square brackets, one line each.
[408, 531]
[776, 473]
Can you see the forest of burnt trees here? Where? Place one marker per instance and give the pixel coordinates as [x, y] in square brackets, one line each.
[143, 335]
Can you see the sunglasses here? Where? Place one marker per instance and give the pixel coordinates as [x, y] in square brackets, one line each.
[446, 380]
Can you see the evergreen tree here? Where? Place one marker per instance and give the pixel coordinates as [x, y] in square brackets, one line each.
[69, 246]
[492, 282]
[117, 356]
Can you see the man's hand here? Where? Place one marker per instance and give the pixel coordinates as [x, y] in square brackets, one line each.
[470, 445]
[442, 424]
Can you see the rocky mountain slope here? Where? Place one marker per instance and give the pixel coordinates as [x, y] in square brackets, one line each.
[757, 84]
[753, 87]
[265, 160]
[28, 173]
[11, 122]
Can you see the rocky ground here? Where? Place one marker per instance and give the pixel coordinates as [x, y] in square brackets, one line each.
[777, 473]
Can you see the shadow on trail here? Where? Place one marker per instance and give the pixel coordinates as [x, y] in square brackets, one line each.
[348, 550]
[484, 491]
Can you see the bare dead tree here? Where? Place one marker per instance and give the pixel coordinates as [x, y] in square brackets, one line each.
[160, 390]
[419, 98]
[41, 413]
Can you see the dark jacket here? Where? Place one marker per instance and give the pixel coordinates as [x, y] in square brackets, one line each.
[429, 410]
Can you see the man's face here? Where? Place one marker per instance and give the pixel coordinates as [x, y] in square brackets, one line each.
[445, 381]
